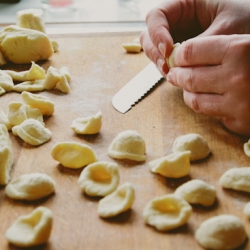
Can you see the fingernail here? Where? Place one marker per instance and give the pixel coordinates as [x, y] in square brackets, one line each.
[162, 48]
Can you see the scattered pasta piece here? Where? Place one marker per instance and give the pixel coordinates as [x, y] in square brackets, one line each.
[32, 132]
[6, 155]
[237, 179]
[4, 120]
[6, 81]
[170, 60]
[246, 148]
[31, 19]
[117, 202]
[194, 143]
[65, 71]
[132, 47]
[2, 91]
[128, 144]
[18, 113]
[34, 73]
[246, 209]
[99, 178]
[175, 165]
[32, 86]
[55, 46]
[63, 84]
[221, 232]
[30, 187]
[88, 125]
[197, 192]
[73, 154]
[21, 45]
[32, 229]
[38, 101]
[167, 212]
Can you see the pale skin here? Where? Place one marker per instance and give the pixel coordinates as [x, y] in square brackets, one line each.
[213, 62]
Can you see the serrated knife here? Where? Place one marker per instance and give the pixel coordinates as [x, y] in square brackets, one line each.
[135, 89]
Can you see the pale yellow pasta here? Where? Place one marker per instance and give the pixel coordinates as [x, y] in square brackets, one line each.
[46, 106]
[32, 86]
[167, 212]
[63, 84]
[2, 91]
[65, 71]
[128, 144]
[246, 148]
[55, 46]
[73, 154]
[4, 120]
[53, 76]
[6, 81]
[175, 165]
[88, 125]
[6, 155]
[170, 60]
[33, 132]
[19, 112]
[132, 47]
[117, 202]
[32, 229]
[30, 187]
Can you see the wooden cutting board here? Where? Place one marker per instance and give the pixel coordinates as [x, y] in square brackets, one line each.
[100, 67]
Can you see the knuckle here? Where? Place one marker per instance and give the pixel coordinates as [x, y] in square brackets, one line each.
[192, 102]
[187, 51]
[189, 81]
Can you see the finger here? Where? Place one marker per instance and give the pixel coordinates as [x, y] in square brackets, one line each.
[153, 53]
[202, 51]
[204, 79]
[236, 125]
[207, 104]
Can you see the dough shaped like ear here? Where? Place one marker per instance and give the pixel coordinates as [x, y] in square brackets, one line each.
[73, 154]
[170, 60]
[167, 212]
[175, 165]
[31, 230]
[197, 192]
[221, 232]
[128, 144]
[6, 81]
[117, 202]
[99, 178]
[192, 142]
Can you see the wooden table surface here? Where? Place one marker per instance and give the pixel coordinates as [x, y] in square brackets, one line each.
[100, 67]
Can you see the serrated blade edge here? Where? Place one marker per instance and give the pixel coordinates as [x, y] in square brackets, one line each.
[135, 89]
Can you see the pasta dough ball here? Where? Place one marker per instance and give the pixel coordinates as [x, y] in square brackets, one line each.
[117, 202]
[194, 143]
[73, 154]
[128, 144]
[237, 179]
[32, 132]
[99, 178]
[6, 155]
[30, 187]
[221, 232]
[88, 125]
[167, 212]
[197, 192]
[175, 165]
[20, 45]
[32, 229]
[170, 60]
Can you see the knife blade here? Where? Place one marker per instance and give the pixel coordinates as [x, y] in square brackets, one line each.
[135, 89]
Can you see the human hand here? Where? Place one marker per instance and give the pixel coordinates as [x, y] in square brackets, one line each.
[176, 21]
[214, 73]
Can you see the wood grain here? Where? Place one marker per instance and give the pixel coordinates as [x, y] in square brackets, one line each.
[100, 67]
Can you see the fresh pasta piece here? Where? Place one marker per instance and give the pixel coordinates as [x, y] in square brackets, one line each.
[31, 19]
[170, 60]
[4, 120]
[194, 143]
[33, 132]
[246, 148]
[2, 91]
[175, 165]
[34, 73]
[221, 232]
[99, 178]
[73, 154]
[197, 192]
[117, 202]
[246, 209]
[46, 106]
[18, 113]
[31, 86]
[63, 84]
[6, 155]
[21, 45]
[6, 81]
[32, 229]
[237, 179]
[55, 46]
[30, 187]
[65, 71]
[53, 76]
[167, 212]
[132, 47]
[128, 144]
[88, 125]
